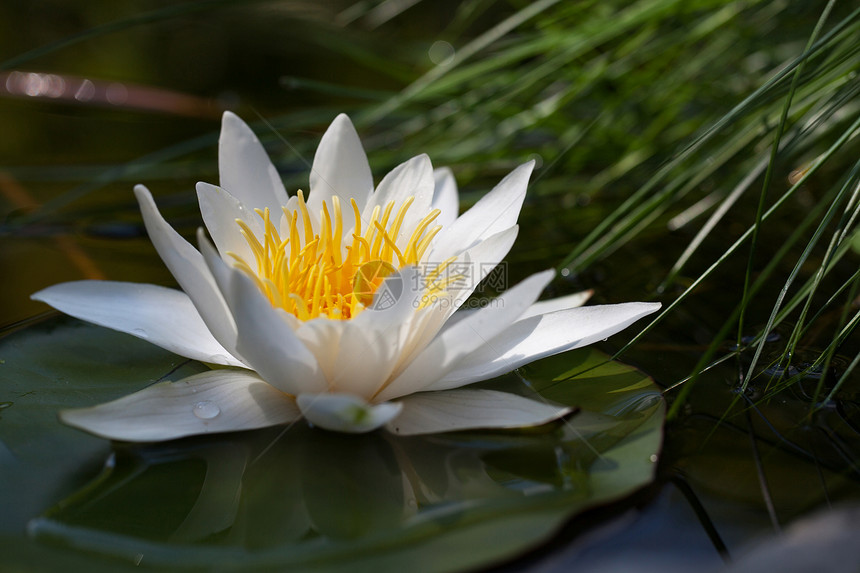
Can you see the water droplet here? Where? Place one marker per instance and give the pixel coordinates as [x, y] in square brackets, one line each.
[4, 405]
[206, 410]
[139, 332]
[653, 458]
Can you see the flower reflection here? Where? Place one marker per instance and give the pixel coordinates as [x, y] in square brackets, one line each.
[284, 499]
[270, 488]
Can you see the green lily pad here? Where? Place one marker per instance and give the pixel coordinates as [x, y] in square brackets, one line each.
[299, 498]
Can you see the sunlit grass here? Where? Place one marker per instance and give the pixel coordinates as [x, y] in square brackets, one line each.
[707, 108]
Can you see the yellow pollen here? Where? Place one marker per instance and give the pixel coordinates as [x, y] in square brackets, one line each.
[311, 274]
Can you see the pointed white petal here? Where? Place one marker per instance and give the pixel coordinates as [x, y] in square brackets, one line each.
[220, 211]
[340, 168]
[413, 178]
[265, 339]
[163, 316]
[345, 412]
[446, 411]
[560, 303]
[454, 344]
[541, 307]
[489, 252]
[494, 212]
[445, 196]
[540, 336]
[190, 271]
[211, 402]
[246, 171]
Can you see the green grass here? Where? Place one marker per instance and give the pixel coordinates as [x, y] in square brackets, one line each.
[703, 106]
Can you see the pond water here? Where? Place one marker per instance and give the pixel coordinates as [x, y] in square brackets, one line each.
[135, 94]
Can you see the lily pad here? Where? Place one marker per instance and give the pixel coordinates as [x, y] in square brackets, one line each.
[299, 498]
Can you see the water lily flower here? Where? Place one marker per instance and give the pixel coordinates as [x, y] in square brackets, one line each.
[338, 306]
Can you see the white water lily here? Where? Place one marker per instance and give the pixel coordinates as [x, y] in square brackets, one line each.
[339, 308]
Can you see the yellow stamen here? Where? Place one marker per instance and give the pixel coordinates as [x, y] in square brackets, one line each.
[306, 218]
[324, 273]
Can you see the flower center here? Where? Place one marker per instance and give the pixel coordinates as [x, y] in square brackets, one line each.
[327, 274]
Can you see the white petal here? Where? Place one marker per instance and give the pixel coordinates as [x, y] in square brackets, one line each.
[220, 211]
[453, 344]
[541, 307]
[489, 252]
[340, 168]
[269, 344]
[322, 337]
[265, 339]
[246, 171]
[446, 411]
[445, 196]
[222, 272]
[345, 412]
[364, 361]
[413, 178]
[494, 212]
[426, 324]
[372, 343]
[475, 264]
[216, 401]
[163, 316]
[540, 336]
[560, 303]
[190, 271]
